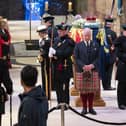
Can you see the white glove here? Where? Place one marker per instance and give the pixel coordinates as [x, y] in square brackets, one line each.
[50, 55]
[52, 50]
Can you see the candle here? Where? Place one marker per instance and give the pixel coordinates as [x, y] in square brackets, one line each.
[46, 6]
[69, 6]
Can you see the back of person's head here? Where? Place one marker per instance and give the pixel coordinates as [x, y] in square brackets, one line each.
[29, 75]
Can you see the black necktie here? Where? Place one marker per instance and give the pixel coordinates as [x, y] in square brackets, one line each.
[88, 51]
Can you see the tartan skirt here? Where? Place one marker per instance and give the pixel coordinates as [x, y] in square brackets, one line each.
[87, 82]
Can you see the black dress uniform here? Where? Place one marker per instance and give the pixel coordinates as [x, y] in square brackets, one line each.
[63, 67]
[51, 29]
[108, 64]
[63, 46]
[52, 34]
[44, 48]
[44, 44]
[120, 44]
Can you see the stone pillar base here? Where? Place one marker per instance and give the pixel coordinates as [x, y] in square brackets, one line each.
[97, 102]
[74, 92]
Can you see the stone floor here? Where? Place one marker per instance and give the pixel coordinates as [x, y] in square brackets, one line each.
[108, 113]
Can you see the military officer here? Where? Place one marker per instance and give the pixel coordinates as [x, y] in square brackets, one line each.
[61, 53]
[110, 58]
[49, 22]
[120, 45]
[44, 44]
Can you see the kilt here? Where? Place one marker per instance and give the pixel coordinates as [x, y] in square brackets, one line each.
[87, 82]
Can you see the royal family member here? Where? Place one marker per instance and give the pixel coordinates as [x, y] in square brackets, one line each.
[86, 57]
[44, 44]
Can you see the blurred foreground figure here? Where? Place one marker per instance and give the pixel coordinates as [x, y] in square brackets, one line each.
[33, 110]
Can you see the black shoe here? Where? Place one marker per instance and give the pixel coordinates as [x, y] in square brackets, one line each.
[84, 111]
[92, 111]
[123, 107]
[110, 88]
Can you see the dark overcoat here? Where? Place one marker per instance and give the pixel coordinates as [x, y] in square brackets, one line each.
[110, 37]
[120, 44]
[82, 58]
[33, 110]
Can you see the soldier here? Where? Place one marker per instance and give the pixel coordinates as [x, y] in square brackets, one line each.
[44, 44]
[52, 34]
[110, 57]
[120, 45]
[61, 53]
[49, 22]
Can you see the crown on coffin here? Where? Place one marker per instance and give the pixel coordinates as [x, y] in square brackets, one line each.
[91, 18]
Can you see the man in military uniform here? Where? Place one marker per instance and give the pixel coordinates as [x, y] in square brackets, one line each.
[110, 58]
[44, 44]
[49, 22]
[120, 45]
[61, 53]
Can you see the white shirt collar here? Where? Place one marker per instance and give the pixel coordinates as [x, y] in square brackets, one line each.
[86, 42]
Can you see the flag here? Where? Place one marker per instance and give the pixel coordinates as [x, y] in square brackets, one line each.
[104, 52]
